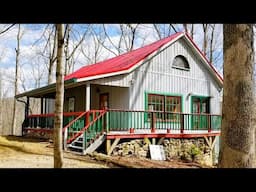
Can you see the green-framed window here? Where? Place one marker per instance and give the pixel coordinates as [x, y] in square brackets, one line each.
[164, 103]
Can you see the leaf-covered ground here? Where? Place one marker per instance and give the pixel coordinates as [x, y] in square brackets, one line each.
[20, 152]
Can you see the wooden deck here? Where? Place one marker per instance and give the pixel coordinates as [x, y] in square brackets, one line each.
[159, 133]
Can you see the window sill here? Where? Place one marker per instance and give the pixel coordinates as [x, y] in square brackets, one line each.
[181, 68]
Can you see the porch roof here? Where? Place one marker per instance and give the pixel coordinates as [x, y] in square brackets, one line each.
[48, 89]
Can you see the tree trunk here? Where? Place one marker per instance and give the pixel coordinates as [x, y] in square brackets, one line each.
[237, 148]
[211, 42]
[185, 26]
[16, 80]
[1, 104]
[58, 120]
[67, 31]
[205, 26]
[52, 58]
[192, 31]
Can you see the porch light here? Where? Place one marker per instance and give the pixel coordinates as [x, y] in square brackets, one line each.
[132, 81]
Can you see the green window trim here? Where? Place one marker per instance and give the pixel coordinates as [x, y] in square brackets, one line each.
[197, 96]
[202, 119]
[165, 96]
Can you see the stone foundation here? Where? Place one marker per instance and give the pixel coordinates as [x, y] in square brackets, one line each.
[191, 150]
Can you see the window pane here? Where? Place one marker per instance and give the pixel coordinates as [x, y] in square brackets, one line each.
[173, 105]
[170, 104]
[156, 103]
[181, 62]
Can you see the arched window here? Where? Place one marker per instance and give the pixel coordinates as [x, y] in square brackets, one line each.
[180, 62]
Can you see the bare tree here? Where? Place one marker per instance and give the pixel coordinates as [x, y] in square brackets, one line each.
[52, 55]
[92, 52]
[7, 28]
[118, 48]
[17, 74]
[127, 37]
[58, 120]
[130, 34]
[48, 37]
[1, 123]
[192, 31]
[164, 30]
[211, 42]
[185, 27]
[205, 28]
[69, 53]
[238, 123]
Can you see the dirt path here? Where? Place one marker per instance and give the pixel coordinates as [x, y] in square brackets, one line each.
[18, 152]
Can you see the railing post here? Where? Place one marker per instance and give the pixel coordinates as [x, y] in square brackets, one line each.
[181, 123]
[104, 122]
[84, 142]
[209, 123]
[131, 130]
[153, 122]
[65, 139]
[87, 119]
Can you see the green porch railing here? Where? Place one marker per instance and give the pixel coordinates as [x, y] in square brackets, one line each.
[123, 120]
[46, 121]
[95, 128]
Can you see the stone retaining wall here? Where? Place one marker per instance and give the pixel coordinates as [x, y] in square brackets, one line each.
[191, 150]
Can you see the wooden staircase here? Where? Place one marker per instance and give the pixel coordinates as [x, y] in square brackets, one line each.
[88, 138]
[78, 145]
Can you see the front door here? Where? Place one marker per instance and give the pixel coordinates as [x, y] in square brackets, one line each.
[104, 101]
[200, 107]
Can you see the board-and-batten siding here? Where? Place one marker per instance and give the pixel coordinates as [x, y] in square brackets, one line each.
[119, 81]
[79, 94]
[157, 75]
[118, 96]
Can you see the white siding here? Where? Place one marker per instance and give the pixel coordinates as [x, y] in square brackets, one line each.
[119, 80]
[158, 76]
[118, 96]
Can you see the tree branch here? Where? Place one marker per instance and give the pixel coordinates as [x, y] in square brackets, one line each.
[8, 28]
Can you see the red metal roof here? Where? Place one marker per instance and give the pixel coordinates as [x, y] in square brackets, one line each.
[127, 60]
[121, 62]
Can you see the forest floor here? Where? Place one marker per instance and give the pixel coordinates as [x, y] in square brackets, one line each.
[22, 152]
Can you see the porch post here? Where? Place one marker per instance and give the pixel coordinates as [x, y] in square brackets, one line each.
[26, 120]
[88, 95]
[27, 108]
[42, 105]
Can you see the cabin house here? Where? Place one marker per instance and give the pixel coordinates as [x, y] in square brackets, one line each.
[167, 89]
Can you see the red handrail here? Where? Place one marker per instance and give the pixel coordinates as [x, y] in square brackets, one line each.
[70, 123]
[149, 111]
[102, 112]
[52, 114]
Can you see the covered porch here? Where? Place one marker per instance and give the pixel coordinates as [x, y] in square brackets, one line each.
[95, 112]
